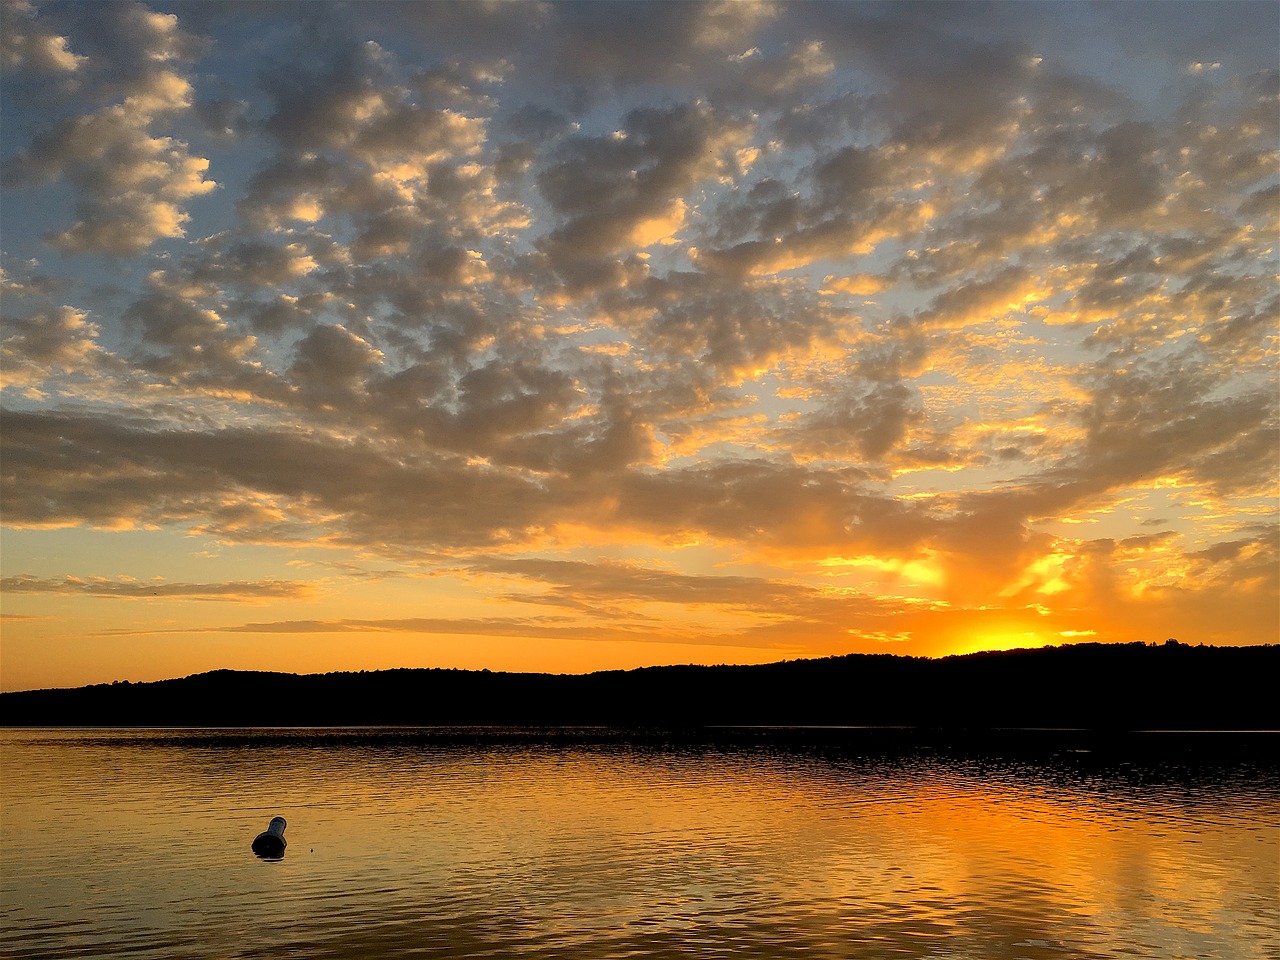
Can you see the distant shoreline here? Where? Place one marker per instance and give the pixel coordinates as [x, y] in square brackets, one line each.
[1089, 686]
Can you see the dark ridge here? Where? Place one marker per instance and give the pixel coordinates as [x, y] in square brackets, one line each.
[1095, 686]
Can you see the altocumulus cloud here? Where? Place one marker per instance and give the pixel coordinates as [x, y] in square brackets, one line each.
[860, 320]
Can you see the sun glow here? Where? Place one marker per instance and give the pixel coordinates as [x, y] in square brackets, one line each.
[1011, 640]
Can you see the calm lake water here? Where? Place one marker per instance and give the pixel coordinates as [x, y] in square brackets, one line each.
[586, 844]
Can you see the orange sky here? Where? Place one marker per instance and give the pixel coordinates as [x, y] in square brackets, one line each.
[567, 337]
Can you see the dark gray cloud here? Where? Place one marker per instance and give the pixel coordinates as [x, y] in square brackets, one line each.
[45, 345]
[131, 472]
[627, 190]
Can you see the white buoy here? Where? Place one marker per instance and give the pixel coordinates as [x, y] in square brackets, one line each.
[270, 844]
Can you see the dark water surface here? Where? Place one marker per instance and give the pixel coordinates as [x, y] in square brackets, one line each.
[591, 844]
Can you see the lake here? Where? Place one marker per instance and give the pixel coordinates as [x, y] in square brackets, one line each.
[576, 844]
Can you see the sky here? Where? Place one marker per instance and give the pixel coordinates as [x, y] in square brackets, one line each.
[579, 336]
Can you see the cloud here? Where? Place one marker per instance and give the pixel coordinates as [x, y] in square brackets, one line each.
[182, 339]
[131, 184]
[236, 592]
[517, 627]
[332, 361]
[640, 43]
[575, 584]
[46, 345]
[871, 318]
[873, 422]
[399, 159]
[987, 299]
[28, 44]
[729, 330]
[625, 191]
[253, 485]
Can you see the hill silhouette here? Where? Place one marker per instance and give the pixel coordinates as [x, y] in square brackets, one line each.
[1091, 685]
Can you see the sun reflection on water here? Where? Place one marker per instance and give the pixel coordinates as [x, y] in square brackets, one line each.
[486, 844]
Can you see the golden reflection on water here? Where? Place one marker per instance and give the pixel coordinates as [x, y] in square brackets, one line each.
[137, 844]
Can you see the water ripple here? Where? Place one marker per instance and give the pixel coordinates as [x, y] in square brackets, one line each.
[583, 845]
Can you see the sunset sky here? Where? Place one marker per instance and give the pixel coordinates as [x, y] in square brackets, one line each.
[563, 337]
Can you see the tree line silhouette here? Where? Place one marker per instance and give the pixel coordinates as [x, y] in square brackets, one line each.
[1090, 685]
